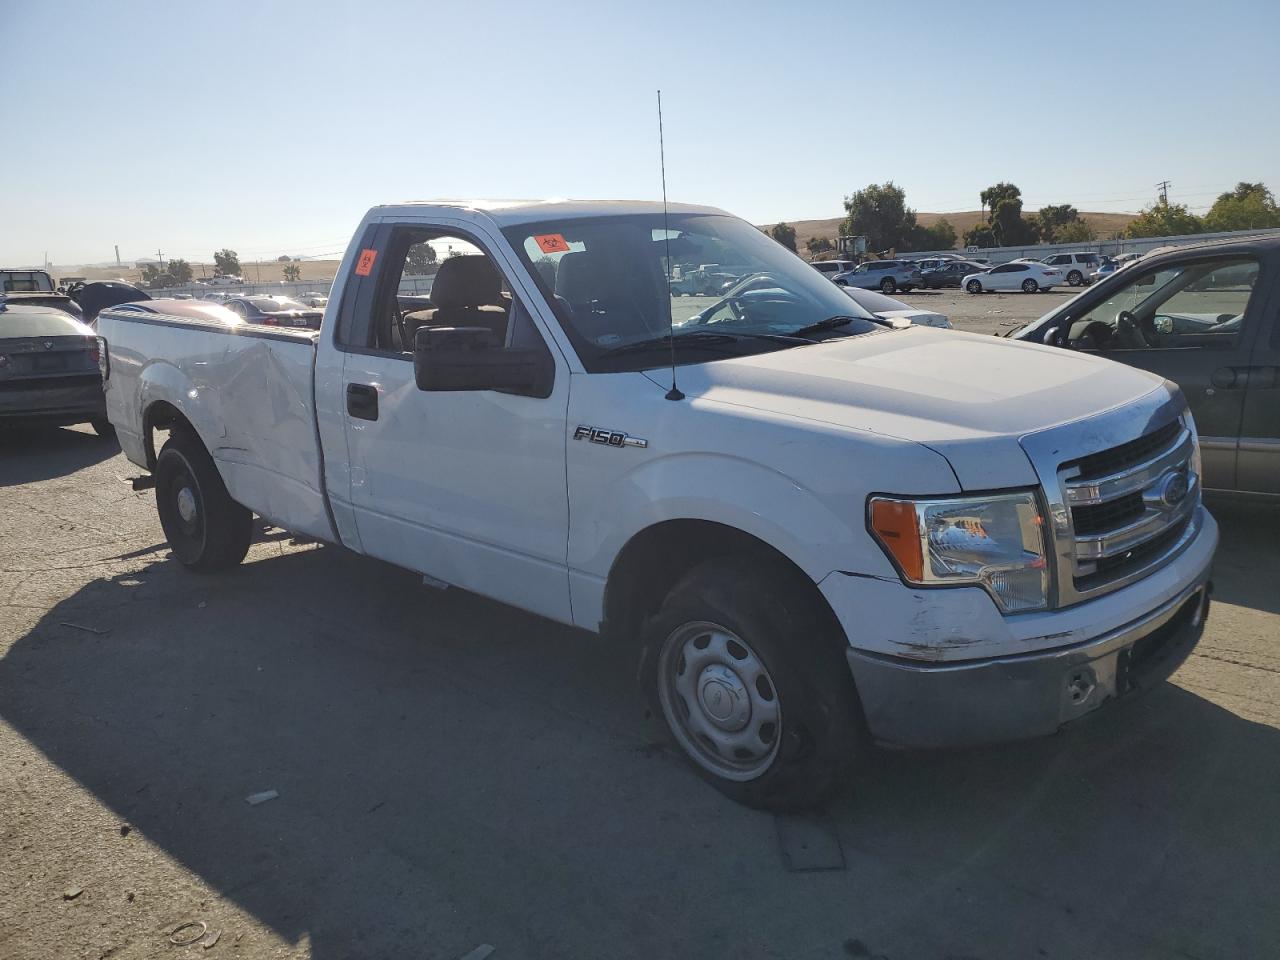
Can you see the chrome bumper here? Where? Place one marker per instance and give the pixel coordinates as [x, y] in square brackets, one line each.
[910, 703]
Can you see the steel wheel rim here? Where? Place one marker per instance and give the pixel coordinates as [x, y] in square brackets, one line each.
[719, 700]
[185, 527]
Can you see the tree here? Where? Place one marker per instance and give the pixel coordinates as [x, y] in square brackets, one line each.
[942, 235]
[292, 272]
[1164, 219]
[993, 195]
[1249, 206]
[1077, 231]
[180, 270]
[420, 260]
[980, 236]
[283, 258]
[880, 213]
[1009, 226]
[227, 262]
[785, 234]
[817, 245]
[1052, 218]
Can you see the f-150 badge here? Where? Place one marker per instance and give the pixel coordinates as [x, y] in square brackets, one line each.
[610, 438]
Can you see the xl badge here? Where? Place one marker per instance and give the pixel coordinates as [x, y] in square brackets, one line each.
[610, 438]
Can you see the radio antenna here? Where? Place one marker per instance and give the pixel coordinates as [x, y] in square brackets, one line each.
[674, 393]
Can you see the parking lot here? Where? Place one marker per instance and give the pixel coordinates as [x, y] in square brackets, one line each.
[452, 773]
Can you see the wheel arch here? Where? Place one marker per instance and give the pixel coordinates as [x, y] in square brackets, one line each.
[161, 415]
[657, 557]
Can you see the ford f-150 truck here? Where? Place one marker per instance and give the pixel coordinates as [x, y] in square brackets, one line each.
[816, 529]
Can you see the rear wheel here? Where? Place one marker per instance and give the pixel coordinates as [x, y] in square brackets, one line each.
[206, 529]
[973, 286]
[888, 285]
[1029, 286]
[1075, 278]
[753, 685]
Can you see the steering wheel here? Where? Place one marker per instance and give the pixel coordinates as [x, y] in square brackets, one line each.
[1096, 335]
[1129, 331]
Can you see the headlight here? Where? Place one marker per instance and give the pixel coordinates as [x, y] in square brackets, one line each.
[996, 542]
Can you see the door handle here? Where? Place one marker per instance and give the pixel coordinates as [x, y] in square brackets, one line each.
[362, 401]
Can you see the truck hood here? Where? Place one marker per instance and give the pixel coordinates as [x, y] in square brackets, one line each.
[969, 397]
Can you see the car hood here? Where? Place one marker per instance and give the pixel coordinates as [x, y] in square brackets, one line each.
[969, 397]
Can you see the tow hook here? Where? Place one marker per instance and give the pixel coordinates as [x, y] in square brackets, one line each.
[147, 482]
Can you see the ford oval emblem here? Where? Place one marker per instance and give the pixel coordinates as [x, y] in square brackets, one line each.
[1174, 489]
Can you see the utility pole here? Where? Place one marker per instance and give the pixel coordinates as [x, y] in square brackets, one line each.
[161, 256]
[1163, 187]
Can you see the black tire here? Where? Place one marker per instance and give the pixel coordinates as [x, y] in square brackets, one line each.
[206, 529]
[1029, 286]
[907, 288]
[102, 427]
[819, 736]
[974, 286]
[1075, 278]
[888, 285]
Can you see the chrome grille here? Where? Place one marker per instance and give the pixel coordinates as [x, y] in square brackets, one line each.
[1129, 504]
[1110, 485]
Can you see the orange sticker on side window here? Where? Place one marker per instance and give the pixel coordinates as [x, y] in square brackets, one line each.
[551, 243]
[364, 266]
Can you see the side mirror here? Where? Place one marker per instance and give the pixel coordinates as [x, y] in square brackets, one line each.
[472, 358]
[1051, 337]
[1163, 325]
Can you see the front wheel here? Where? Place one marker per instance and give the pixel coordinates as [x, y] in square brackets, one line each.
[206, 529]
[1029, 286]
[888, 285]
[753, 685]
[973, 286]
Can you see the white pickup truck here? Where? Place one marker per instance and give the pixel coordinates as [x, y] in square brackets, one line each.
[829, 531]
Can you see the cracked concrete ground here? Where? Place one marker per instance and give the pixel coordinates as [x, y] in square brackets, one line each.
[452, 773]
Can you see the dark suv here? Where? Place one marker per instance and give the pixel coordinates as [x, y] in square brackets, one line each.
[1205, 317]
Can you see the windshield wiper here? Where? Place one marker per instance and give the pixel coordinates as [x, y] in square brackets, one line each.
[697, 338]
[831, 323]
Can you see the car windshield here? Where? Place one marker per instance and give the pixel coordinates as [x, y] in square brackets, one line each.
[732, 290]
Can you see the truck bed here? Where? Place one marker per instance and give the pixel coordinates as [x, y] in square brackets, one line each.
[247, 389]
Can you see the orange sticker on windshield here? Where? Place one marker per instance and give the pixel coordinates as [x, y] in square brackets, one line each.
[364, 266]
[551, 243]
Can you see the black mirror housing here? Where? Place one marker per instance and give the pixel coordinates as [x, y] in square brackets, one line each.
[472, 358]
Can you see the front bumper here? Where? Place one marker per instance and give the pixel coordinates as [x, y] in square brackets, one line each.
[915, 704]
[940, 668]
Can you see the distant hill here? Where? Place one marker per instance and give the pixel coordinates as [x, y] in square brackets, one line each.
[1104, 225]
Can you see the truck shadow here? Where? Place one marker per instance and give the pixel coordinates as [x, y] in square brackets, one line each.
[29, 454]
[1244, 569]
[454, 772]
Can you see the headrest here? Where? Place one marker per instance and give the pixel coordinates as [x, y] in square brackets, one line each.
[578, 278]
[466, 281]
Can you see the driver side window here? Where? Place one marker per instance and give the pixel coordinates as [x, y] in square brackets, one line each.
[1200, 304]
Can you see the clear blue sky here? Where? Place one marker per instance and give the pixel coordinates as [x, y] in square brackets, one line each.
[270, 127]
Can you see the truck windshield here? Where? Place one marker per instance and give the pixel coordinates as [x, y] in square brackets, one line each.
[607, 279]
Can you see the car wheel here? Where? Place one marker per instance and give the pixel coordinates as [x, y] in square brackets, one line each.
[1029, 286]
[206, 529]
[973, 286]
[888, 285]
[1075, 278]
[102, 427]
[908, 288]
[750, 677]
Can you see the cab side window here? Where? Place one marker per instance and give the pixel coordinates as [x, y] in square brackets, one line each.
[1197, 304]
[438, 279]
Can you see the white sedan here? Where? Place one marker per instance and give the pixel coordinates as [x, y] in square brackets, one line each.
[1027, 277]
[887, 308]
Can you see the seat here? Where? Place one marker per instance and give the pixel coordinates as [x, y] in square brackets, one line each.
[602, 310]
[466, 292]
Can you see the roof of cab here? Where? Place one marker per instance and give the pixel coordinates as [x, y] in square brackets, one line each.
[511, 212]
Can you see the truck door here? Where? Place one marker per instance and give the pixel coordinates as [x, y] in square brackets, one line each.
[1258, 459]
[1191, 321]
[466, 486]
